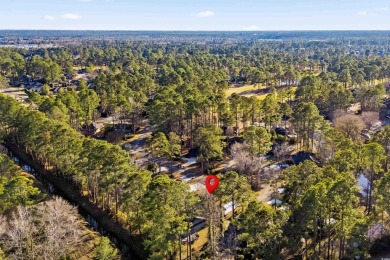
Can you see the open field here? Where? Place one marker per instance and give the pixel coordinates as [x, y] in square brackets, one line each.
[252, 90]
[242, 90]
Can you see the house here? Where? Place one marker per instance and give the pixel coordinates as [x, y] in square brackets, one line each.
[34, 86]
[197, 225]
[228, 207]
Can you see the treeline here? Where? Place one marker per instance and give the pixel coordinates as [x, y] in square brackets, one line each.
[127, 74]
[191, 79]
[256, 62]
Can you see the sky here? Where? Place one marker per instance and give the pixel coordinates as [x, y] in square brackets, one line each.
[204, 15]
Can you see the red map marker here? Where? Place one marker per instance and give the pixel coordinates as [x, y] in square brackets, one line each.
[212, 183]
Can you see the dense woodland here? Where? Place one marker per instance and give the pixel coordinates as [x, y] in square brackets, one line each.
[180, 87]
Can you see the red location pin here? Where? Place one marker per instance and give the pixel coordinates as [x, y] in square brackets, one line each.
[212, 183]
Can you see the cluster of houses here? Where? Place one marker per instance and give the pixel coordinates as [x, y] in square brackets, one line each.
[33, 85]
[55, 87]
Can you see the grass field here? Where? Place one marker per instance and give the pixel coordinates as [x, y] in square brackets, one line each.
[245, 91]
[239, 90]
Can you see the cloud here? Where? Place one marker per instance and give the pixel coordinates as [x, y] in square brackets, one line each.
[383, 9]
[252, 28]
[49, 17]
[362, 13]
[205, 14]
[71, 16]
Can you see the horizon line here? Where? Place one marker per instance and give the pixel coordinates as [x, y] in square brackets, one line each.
[190, 30]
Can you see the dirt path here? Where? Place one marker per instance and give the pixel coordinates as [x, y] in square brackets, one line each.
[266, 194]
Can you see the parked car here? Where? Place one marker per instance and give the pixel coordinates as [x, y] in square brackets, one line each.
[366, 135]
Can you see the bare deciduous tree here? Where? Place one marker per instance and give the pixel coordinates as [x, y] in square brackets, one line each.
[370, 118]
[281, 151]
[62, 227]
[338, 113]
[3, 224]
[18, 236]
[52, 230]
[245, 163]
[350, 125]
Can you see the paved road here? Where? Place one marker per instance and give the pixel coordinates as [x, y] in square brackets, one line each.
[138, 144]
[141, 138]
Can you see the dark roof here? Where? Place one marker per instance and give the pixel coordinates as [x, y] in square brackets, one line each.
[36, 86]
[198, 223]
[302, 156]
